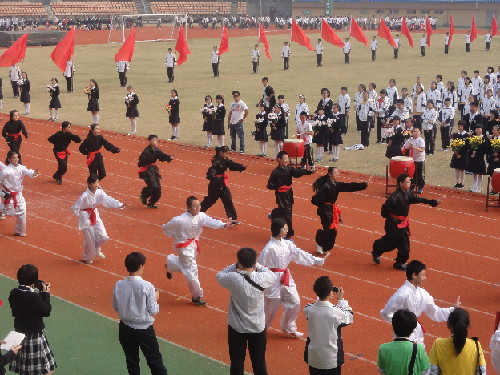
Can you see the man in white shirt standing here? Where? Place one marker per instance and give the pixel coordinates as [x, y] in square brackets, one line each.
[416, 150]
[246, 281]
[397, 44]
[319, 53]
[285, 53]
[121, 68]
[215, 58]
[346, 49]
[255, 58]
[413, 297]
[15, 75]
[237, 114]
[170, 61]
[423, 43]
[467, 42]
[135, 300]
[487, 39]
[69, 73]
[373, 48]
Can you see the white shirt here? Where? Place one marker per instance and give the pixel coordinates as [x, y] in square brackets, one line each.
[215, 57]
[299, 108]
[402, 113]
[303, 128]
[429, 118]
[255, 55]
[347, 47]
[237, 111]
[285, 51]
[170, 60]
[467, 38]
[417, 300]
[382, 106]
[423, 42]
[487, 104]
[14, 73]
[122, 66]
[344, 103]
[420, 143]
[92, 200]
[323, 319]
[392, 94]
[487, 38]
[495, 350]
[414, 89]
[279, 254]
[373, 45]
[246, 305]
[435, 96]
[70, 69]
[319, 48]
[446, 40]
[12, 177]
[446, 114]
[397, 43]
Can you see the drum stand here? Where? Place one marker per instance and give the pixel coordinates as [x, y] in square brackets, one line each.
[491, 201]
[387, 186]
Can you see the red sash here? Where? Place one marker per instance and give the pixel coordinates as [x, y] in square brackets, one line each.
[92, 215]
[186, 244]
[91, 157]
[144, 169]
[284, 188]
[285, 279]
[226, 178]
[13, 197]
[15, 135]
[405, 222]
[63, 154]
[336, 211]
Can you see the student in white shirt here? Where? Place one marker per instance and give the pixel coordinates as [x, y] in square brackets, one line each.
[237, 114]
[423, 43]
[446, 117]
[429, 119]
[435, 95]
[121, 68]
[305, 132]
[246, 280]
[170, 61]
[69, 73]
[346, 49]
[495, 347]
[397, 42]
[14, 75]
[392, 94]
[345, 107]
[373, 48]
[215, 58]
[301, 107]
[319, 53]
[467, 42]
[255, 58]
[416, 150]
[324, 323]
[446, 43]
[487, 39]
[285, 54]
[419, 82]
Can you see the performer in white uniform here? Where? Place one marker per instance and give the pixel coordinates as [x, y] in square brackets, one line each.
[277, 255]
[89, 221]
[11, 179]
[416, 299]
[186, 230]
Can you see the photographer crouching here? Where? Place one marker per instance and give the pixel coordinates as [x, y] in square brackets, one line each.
[30, 303]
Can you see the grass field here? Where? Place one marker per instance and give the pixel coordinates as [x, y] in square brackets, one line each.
[194, 80]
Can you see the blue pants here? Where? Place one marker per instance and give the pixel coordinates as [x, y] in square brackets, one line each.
[237, 130]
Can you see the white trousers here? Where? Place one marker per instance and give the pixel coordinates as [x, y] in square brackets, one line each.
[187, 265]
[19, 212]
[93, 238]
[291, 308]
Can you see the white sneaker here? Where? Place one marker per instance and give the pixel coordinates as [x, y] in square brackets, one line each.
[87, 261]
[295, 335]
[101, 255]
[319, 249]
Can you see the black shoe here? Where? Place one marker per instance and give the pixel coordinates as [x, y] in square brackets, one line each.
[58, 181]
[399, 266]
[169, 275]
[376, 259]
[143, 200]
[151, 205]
[420, 191]
[493, 192]
[460, 186]
[456, 186]
[198, 302]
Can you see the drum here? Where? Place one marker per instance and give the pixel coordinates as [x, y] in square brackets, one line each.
[495, 180]
[294, 147]
[401, 164]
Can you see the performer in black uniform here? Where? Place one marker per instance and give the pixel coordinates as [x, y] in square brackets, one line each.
[150, 173]
[91, 147]
[327, 189]
[12, 133]
[219, 186]
[61, 141]
[131, 101]
[93, 95]
[55, 103]
[281, 182]
[397, 226]
[25, 87]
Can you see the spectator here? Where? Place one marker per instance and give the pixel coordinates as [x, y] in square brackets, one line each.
[401, 356]
[8, 357]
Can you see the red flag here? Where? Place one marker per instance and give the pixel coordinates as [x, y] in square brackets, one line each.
[473, 30]
[452, 29]
[15, 52]
[329, 35]
[494, 27]
[127, 49]
[406, 32]
[263, 39]
[224, 42]
[182, 47]
[64, 50]
[300, 37]
[384, 32]
[428, 30]
[357, 33]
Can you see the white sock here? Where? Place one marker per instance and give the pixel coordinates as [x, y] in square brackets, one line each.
[28, 108]
[474, 182]
[220, 139]
[461, 177]
[50, 111]
[277, 147]
[209, 138]
[319, 151]
[94, 119]
[265, 148]
[56, 114]
[173, 131]
[177, 131]
[1, 104]
[336, 150]
[133, 126]
[457, 175]
[479, 181]
[97, 118]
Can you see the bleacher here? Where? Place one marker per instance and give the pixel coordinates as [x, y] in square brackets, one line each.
[242, 7]
[21, 9]
[192, 7]
[74, 8]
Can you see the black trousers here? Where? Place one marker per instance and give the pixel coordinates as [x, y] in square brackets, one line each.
[14, 146]
[238, 342]
[374, 54]
[15, 88]
[488, 45]
[467, 47]
[214, 193]
[123, 78]
[346, 58]
[215, 69]
[330, 371]
[62, 167]
[255, 64]
[319, 59]
[152, 190]
[343, 124]
[430, 141]
[446, 48]
[379, 128]
[131, 340]
[326, 237]
[445, 136]
[170, 73]
[394, 240]
[69, 84]
[422, 50]
[285, 63]
[396, 51]
[97, 167]
[417, 121]
[307, 158]
[365, 132]
[418, 179]
[284, 210]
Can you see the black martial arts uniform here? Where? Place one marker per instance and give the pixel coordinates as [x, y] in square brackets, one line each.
[12, 133]
[149, 172]
[91, 147]
[218, 185]
[397, 230]
[281, 182]
[61, 141]
[329, 213]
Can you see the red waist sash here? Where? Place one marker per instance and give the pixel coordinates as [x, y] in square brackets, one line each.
[15, 135]
[226, 178]
[92, 215]
[336, 211]
[284, 188]
[144, 169]
[405, 223]
[13, 197]
[285, 279]
[186, 244]
[91, 157]
[63, 154]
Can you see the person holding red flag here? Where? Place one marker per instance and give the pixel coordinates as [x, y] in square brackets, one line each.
[487, 39]
[61, 141]
[285, 54]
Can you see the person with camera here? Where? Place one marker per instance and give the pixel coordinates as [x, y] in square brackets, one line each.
[324, 347]
[247, 280]
[30, 303]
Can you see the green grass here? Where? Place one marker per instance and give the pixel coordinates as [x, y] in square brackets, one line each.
[194, 80]
[84, 342]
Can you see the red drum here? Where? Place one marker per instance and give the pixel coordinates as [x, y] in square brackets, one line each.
[294, 147]
[401, 164]
[495, 180]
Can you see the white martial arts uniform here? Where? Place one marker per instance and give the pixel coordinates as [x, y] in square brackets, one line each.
[11, 180]
[419, 301]
[495, 350]
[278, 254]
[94, 236]
[186, 230]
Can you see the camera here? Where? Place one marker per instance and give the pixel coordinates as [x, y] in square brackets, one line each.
[335, 289]
[39, 285]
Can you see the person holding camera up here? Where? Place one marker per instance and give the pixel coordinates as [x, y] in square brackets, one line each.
[30, 303]
[324, 348]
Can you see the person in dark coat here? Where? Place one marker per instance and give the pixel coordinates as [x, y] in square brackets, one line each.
[278, 128]
[92, 93]
[493, 157]
[218, 122]
[61, 140]
[280, 181]
[149, 172]
[12, 131]
[131, 101]
[173, 110]
[54, 104]
[475, 160]
[261, 123]
[1, 94]
[208, 114]
[395, 211]
[91, 147]
[395, 141]
[218, 186]
[25, 87]
[335, 133]
[458, 159]
[327, 189]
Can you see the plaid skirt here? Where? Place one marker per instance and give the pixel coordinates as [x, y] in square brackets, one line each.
[34, 357]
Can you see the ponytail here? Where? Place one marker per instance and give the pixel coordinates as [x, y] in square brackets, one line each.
[322, 180]
[458, 323]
